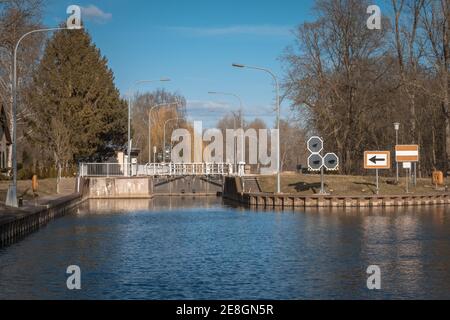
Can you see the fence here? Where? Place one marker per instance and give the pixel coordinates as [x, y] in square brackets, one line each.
[157, 169]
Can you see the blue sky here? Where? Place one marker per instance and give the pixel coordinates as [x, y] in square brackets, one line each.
[194, 43]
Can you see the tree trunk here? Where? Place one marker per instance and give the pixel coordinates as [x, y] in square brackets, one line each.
[58, 178]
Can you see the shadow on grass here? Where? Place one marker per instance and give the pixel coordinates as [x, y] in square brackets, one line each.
[371, 186]
[303, 186]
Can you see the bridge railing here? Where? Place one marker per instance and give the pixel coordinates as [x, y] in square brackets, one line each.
[156, 169]
[102, 169]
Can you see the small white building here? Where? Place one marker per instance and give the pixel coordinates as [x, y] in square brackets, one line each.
[5, 141]
[122, 159]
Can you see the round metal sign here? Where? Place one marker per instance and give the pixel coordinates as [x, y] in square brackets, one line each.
[331, 161]
[315, 162]
[315, 144]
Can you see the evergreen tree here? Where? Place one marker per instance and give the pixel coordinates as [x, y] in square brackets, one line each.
[78, 114]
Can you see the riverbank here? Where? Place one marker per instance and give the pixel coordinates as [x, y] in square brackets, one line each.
[341, 185]
[302, 191]
[46, 187]
[18, 222]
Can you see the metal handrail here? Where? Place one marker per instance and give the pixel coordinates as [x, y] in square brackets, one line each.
[157, 169]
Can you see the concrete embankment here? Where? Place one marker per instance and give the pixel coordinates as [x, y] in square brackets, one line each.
[17, 223]
[233, 191]
[147, 187]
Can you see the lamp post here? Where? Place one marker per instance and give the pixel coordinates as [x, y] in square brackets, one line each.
[11, 197]
[277, 89]
[149, 125]
[129, 111]
[396, 127]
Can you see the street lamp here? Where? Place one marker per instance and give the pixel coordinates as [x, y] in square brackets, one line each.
[129, 110]
[149, 126]
[277, 89]
[11, 197]
[242, 119]
[396, 127]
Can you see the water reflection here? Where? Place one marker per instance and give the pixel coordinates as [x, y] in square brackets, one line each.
[108, 206]
[201, 248]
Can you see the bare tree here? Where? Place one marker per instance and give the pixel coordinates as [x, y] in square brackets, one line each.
[16, 18]
[436, 22]
[335, 66]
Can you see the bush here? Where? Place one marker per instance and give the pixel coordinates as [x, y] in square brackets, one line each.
[25, 174]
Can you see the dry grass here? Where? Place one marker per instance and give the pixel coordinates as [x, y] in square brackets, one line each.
[344, 185]
[46, 187]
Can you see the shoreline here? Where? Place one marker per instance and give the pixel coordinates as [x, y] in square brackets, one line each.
[16, 223]
[233, 191]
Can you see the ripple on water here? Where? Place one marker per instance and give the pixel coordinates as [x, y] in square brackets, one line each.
[198, 249]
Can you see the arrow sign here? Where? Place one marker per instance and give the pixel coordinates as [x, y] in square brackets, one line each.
[374, 159]
[377, 160]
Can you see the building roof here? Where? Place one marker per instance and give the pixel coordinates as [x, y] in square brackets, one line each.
[4, 124]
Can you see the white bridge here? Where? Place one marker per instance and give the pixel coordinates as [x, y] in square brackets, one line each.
[160, 169]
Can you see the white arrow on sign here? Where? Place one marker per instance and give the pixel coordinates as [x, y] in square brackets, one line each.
[377, 160]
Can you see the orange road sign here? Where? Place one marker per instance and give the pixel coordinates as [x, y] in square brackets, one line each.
[407, 153]
[377, 160]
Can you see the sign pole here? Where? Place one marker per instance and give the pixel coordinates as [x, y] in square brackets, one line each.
[377, 181]
[322, 189]
[407, 174]
[415, 174]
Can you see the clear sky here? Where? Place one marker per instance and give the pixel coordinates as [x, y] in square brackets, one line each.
[194, 43]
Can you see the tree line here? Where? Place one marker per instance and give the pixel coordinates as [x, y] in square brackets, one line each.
[69, 108]
[346, 83]
[350, 84]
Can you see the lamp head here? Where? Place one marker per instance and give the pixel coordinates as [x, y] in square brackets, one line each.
[237, 65]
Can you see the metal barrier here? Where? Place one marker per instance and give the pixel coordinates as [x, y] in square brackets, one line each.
[157, 169]
[102, 170]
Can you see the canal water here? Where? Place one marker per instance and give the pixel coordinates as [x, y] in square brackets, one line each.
[184, 248]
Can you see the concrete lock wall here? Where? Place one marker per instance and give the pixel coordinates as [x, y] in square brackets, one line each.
[119, 187]
[188, 184]
[147, 187]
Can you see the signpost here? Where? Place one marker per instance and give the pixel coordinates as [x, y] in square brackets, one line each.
[377, 160]
[318, 163]
[406, 154]
[331, 161]
[315, 162]
[315, 145]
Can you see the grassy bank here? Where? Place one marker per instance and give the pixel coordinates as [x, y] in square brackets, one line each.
[344, 185]
[46, 187]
